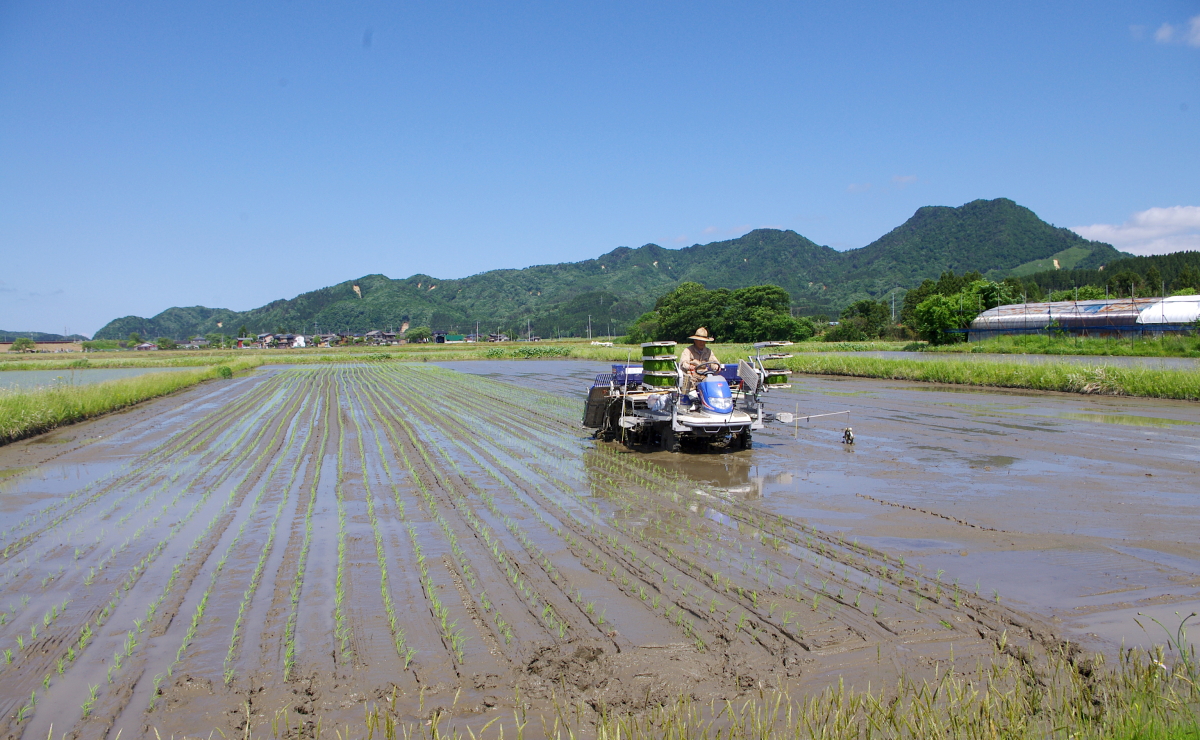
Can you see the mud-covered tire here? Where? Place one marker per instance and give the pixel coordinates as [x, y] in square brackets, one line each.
[747, 441]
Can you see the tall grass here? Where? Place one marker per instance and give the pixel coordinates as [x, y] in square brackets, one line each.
[1166, 346]
[27, 412]
[1066, 377]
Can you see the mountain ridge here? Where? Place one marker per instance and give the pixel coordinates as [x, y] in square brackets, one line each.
[992, 236]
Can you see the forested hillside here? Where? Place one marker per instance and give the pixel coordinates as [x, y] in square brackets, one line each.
[39, 336]
[996, 237]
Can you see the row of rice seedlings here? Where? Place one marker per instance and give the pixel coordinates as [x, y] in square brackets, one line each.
[776, 543]
[94, 571]
[502, 558]
[537, 553]
[125, 584]
[502, 627]
[639, 591]
[286, 414]
[289, 629]
[450, 632]
[91, 628]
[256, 577]
[825, 555]
[341, 629]
[162, 454]
[547, 613]
[403, 650]
[440, 613]
[639, 535]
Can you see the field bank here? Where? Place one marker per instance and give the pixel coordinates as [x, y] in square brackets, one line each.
[408, 537]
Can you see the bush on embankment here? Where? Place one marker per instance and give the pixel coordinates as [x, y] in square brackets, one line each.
[1065, 377]
[24, 413]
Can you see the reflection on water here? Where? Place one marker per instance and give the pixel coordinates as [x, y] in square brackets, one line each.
[1127, 419]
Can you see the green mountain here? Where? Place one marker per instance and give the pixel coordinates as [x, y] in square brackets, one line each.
[40, 336]
[1175, 271]
[996, 237]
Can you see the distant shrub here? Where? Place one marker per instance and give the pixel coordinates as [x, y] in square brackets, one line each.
[224, 371]
[527, 353]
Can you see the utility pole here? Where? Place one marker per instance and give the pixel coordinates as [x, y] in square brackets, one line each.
[589, 326]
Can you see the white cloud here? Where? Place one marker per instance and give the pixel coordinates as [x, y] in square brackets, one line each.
[1168, 34]
[1152, 231]
[1137, 32]
[903, 180]
[858, 187]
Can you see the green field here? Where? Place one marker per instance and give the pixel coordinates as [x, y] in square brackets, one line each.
[1037, 344]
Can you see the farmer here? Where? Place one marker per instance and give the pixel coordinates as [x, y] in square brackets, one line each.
[696, 357]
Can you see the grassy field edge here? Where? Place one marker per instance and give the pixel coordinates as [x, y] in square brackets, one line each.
[1181, 385]
[27, 413]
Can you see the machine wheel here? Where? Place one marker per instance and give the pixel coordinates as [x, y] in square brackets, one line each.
[747, 441]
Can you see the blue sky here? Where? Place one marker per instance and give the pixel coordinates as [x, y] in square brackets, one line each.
[228, 154]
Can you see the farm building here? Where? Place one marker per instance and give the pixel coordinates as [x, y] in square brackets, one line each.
[1119, 317]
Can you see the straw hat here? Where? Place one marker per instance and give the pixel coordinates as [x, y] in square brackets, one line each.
[702, 335]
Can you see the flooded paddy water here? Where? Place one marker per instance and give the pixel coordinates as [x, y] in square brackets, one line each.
[304, 543]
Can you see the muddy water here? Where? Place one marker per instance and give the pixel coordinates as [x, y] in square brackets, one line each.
[1081, 509]
[301, 544]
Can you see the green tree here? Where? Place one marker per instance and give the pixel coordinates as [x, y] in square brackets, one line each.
[243, 331]
[135, 338]
[645, 328]
[691, 306]
[871, 317]
[1154, 281]
[1125, 283]
[1082, 293]
[165, 343]
[850, 330]
[936, 316]
[913, 298]
[418, 334]
[1188, 279]
[22, 344]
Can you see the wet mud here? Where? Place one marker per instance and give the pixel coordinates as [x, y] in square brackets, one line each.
[294, 547]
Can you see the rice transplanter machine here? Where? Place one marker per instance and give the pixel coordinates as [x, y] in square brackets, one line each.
[645, 405]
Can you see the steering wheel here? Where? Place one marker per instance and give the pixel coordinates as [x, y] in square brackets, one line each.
[706, 369]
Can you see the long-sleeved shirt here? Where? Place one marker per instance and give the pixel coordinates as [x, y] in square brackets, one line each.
[692, 357]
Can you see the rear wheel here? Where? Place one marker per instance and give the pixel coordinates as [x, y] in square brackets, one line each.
[747, 441]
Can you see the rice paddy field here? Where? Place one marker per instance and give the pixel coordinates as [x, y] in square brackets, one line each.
[408, 549]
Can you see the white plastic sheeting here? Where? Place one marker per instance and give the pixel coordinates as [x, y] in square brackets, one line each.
[1180, 309]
